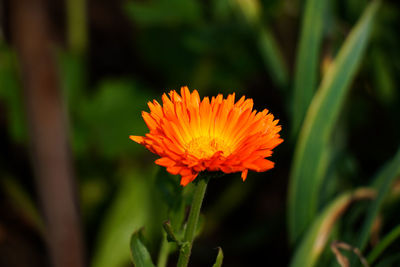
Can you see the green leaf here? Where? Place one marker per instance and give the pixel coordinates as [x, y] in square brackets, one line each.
[164, 12]
[173, 195]
[73, 78]
[311, 155]
[220, 257]
[306, 70]
[110, 116]
[384, 78]
[314, 242]
[382, 245]
[383, 183]
[272, 57]
[22, 202]
[139, 253]
[266, 42]
[11, 94]
[128, 212]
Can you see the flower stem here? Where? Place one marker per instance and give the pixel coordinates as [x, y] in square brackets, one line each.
[198, 197]
[164, 251]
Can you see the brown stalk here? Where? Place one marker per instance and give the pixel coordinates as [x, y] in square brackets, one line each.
[48, 132]
[342, 260]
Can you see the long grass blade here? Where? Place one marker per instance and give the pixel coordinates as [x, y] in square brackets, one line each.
[266, 42]
[383, 182]
[272, 57]
[306, 70]
[311, 157]
[387, 241]
[314, 242]
[220, 257]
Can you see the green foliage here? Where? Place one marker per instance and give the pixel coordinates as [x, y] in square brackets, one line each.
[114, 100]
[22, 202]
[173, 196]
[314, 242]
[307, 67]
[128, 212]
[306, 176]
[220, 257]
[11, 94]
[140, 255]
[269, 49]
[386, 241]
[104, 117]
[383, 183]
[164, 12]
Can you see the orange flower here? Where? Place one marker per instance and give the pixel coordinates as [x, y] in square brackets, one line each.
[192, 136]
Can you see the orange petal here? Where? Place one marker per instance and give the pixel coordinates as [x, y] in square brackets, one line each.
[166, 162]
[137, 139]
[150, 122]
[187, 179]
[247, 137]
[244, 174]
[174, 170]
[263, 164]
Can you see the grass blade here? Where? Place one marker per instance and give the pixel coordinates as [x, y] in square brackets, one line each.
[314, 242]
[306, 69]
[311, 157]
[220, 257]
[267, 45]
[389, 239]
[22, 202]
[272, 57]
[383, 182]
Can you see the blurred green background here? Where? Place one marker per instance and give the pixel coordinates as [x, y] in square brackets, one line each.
[113, 57]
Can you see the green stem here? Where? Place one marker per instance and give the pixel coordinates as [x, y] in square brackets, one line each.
[198, 197]
[164, 251]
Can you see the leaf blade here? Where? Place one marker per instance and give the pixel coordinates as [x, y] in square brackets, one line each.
[383, 182]
[311, 157]
[266, 42]
[306, 68]
[314, 242]
[129, 211]
[386, 241]
[220, 257]
[140, 256]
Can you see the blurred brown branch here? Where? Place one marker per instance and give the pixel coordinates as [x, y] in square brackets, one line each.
[48, 132]
[342, 260]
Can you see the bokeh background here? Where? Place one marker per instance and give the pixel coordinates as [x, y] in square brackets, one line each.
[75, 76]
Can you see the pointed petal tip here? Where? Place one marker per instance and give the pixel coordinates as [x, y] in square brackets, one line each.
[137, 139]
[185, 180]
[244, 174]
[165, 162]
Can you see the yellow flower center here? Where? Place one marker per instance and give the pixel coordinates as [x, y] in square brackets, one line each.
[205, 147]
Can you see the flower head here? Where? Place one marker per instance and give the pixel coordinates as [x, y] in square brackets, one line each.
[192, 135]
